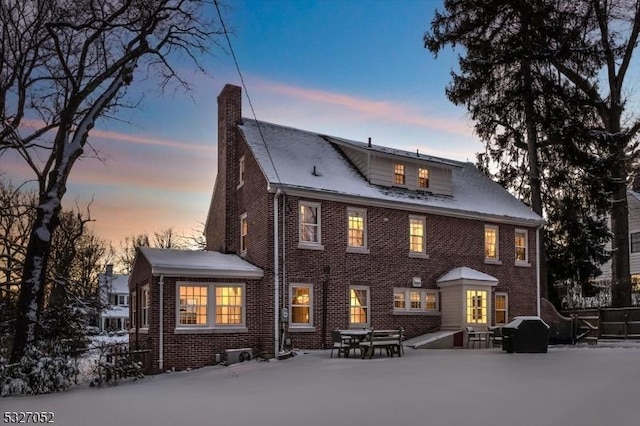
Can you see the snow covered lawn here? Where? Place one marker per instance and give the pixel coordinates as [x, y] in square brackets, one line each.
[588, 386]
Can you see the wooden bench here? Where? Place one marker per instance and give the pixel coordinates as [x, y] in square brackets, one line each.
[389, 340]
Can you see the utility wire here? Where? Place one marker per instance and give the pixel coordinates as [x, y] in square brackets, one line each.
[246, 93]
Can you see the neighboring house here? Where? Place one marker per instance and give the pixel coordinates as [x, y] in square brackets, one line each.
[307, 233]
[114, 290]
[574, 296]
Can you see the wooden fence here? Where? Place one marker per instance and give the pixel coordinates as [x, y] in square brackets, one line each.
[620, 323]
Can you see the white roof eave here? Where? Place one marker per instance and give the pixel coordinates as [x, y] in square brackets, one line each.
[173, 271]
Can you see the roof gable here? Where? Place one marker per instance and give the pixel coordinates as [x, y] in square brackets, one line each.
[307, 161]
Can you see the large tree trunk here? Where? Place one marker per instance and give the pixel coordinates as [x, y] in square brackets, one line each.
[33, 276]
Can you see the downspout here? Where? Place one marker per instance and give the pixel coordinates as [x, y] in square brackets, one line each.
[161, 343]
[276, 276]
[284, 266]
[538, 270]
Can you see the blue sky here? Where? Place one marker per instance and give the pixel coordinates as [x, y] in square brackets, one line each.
[354, 69]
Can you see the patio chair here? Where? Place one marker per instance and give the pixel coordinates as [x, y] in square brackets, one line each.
[340, 344]
[496, 337]
[473, 337]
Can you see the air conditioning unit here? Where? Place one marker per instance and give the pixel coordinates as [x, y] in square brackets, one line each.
[238, 355]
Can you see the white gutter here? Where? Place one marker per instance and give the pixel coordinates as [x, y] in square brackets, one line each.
[276, 276]
[161, 351]
[538, 270]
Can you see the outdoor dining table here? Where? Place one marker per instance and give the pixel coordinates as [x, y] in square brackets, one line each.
[354, 337]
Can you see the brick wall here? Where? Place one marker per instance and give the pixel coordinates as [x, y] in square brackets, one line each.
[451, 242]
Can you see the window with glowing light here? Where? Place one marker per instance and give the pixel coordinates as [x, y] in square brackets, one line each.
[522, 255]
[423, 178]
[359, 306]
[417, 226]
[244, 230]
[476, 307]
[491, 242]
[501, 308]
[414, 300]
[357, 228]
[193, 305]
[229, 305]
[398, 174]
[301, 296]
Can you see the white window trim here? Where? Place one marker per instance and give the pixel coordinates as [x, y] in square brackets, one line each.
[310, 244]
[364, 248]
[144, 310]
[404, 173]
[407, 299]
[524, 262]
[423, 253]
[300, 325]
[631, 234]
[241, 171]
[422, 188]
[243, 247]
[211, 326]
[368, 305]
[134, 310]
[506, 310]
[182, 284]
[493, 260]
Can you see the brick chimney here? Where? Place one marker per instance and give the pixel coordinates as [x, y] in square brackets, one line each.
[220, 226]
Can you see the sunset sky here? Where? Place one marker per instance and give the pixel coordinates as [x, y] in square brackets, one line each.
[354, 69]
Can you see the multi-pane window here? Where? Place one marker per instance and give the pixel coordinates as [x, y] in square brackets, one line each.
[123, 300]
[410, 300]
[491, 242]
[635, 242]
[357, 228]
[501, 308]
[134, 310]
[415, 300]
[521, 246]
[423, 178]
[358, 306]
[430, 302]
[244, 229]
[301, 305]
[476, 307]
[193, 305]
[398, 174]
[416, 234]
[229, 305]
[144, 308]
[309, 219]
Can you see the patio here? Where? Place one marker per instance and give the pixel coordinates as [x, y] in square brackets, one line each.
[587, 386]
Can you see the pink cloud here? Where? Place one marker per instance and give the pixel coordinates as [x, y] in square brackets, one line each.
[390, 111]
[131, 138]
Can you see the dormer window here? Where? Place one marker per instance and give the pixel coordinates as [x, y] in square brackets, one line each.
[398, 171]
[423, 178]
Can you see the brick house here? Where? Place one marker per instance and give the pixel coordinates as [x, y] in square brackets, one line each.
[332, 233]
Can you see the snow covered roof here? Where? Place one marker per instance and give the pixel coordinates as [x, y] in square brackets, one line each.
[307, 161]
[115, 312]
[199, 263]
[466, 273]
[116, 283]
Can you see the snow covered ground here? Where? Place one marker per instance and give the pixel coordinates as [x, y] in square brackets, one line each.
[597, 385]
